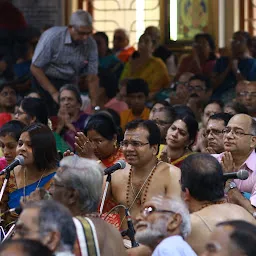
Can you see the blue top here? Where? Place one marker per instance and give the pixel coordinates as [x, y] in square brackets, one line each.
[247, 68]
[14, 197]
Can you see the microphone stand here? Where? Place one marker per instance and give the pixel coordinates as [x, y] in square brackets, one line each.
[7, 176]
[105, 193]
[130, 232]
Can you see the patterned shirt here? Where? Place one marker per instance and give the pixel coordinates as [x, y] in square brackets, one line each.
[62, 58]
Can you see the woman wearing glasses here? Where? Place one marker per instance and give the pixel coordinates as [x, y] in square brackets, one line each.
[180, 137]
[38, 148]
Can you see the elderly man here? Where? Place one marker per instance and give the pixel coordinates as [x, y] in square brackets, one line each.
[248, 97]
[213, 133]
[239, 144]
[162, 225]
[203, 191]
[145, 176]
[78, 186]
[121, 45]
[50, 223]
[64, 55]
[163, 118]
[232, 238]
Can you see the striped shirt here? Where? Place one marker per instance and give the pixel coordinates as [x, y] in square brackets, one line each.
[62, 58]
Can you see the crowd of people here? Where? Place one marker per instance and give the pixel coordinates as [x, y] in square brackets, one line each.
[184, 125]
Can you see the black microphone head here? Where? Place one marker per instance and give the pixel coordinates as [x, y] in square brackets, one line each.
[122, 164]
[20, 159]
[242, 174]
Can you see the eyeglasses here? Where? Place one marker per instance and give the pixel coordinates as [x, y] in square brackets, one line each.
[196, 88]
[133, 143]
[5, 94]
[214, 132]
[236, 133]
[151, 209]
[82, 33]
[245, 94]
[52, 185]
[19, 113]
[182, 83]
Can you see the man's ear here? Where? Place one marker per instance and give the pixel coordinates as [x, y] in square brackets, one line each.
[155, 149]
[186, 195]
[253, 142]
[72, 196]
[52, 240]
[174, 222]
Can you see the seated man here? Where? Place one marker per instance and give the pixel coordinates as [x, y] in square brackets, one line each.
[203, 191]
[137, 93]
[78, 186]
[248, 97]
[239, 145]
[162, 225]
[8, 100]
[121, 45]
[213, 133]
[50, 223]
[229, 238]
[163, 118]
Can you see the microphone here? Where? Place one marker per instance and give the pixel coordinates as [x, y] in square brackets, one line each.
[19, 160]
[241, 175]
[118, 165]
[17, 210]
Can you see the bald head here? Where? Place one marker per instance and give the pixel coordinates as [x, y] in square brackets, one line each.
[244, 121]
[239, 138]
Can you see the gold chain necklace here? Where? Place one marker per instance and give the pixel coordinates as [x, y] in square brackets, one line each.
[38, 183]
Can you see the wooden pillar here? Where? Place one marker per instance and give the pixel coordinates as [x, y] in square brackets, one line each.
[242, 14]
[250, 17]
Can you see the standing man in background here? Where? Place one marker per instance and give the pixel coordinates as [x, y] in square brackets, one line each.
[66, 55]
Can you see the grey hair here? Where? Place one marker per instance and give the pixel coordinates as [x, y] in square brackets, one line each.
[124, 31]
[73, 88]
[53, 216]
[81, 18]
[178, 206]
[85, 176]
[253, 127]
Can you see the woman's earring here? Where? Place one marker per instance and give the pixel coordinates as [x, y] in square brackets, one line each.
[115, 144]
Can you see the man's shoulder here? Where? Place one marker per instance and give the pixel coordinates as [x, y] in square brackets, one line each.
[168, 168]
[223, 211]
[55, 31]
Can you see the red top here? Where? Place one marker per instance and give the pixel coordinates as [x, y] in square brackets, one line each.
[188, 64]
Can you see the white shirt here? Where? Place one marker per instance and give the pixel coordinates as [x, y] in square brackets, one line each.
[173, 246]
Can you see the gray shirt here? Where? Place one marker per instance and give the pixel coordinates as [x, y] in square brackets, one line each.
[61, 58]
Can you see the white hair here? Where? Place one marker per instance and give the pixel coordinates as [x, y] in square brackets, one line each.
[158, 230]
[178, 206]
[123, 31]
[85, 176]
[81, 18]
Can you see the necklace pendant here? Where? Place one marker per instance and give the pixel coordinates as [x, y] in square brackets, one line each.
[138, 202]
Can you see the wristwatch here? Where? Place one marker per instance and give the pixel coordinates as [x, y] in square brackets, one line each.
[231, 185]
